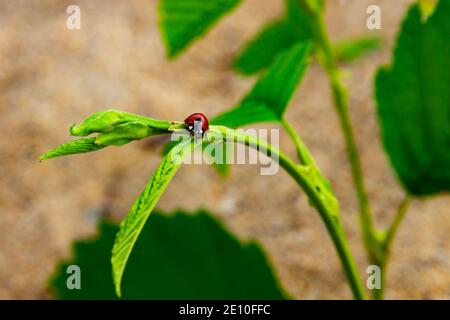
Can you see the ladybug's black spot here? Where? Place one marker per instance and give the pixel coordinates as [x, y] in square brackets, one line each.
[198, 119]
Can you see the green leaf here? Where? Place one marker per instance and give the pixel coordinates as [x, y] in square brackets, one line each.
[294, 28]
[298, 19]
[274, 38]
[126, 132]
[269, 97]
[105, 120]
[350, 50]
[414, 102]
[178, 256]
[260, 51]
[132, 225]
[182, 21]
[82, 145]
[115, 128]
[246, 113]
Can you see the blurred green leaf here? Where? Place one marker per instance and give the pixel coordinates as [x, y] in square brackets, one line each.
[181, 256]
[182, 21]
[298, 19]
[260, 51]
[82, 145]
[275, 37]
[246, 113]
[316, 5]
[269, 97]
[132, 225]
[414, 102]
[294, 28]
[350, 50]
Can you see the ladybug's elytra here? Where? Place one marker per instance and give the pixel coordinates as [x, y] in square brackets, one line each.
[197, 124]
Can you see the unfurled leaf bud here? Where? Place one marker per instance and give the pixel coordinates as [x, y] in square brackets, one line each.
[126, 132]
[104, 121]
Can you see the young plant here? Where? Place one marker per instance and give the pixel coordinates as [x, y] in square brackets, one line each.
[413, 106]
[270, 96]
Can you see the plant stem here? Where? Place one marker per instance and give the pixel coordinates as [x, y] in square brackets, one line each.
[399, 216]
[328, 213]
[303, 154]
[340, 98]
[377, 245]
[333, 225]
[386, 243]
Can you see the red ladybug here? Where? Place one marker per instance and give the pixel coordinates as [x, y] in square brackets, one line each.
[197, 124]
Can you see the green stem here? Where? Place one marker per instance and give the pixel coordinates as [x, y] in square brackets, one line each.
[328, 213]
[386, 244]
[399, 216]
[340, 98]
[378, 247]
[303, 154]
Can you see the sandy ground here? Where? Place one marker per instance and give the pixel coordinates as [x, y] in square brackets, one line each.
[51, 77]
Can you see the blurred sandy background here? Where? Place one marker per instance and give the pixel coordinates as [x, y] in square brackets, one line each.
[51, 77]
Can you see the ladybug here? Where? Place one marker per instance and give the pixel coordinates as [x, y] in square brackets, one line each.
[197, 124]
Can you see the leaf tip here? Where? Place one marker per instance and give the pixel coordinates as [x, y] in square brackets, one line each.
[116, 275]
[171, 53]
[118, 291]
[72, 130]
[43, 157]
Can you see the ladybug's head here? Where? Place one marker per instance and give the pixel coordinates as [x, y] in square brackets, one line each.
[197, 124]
